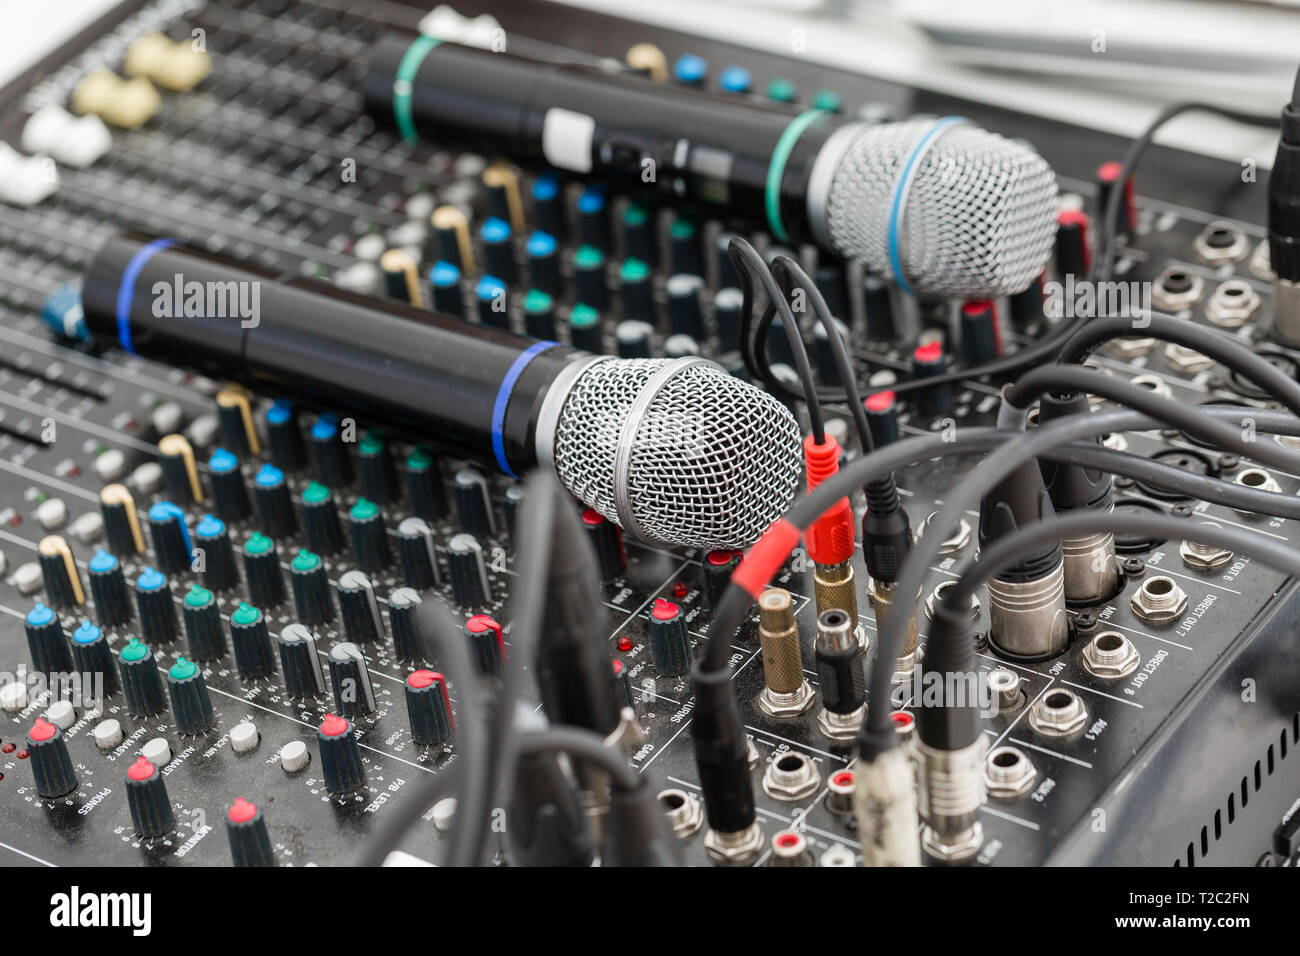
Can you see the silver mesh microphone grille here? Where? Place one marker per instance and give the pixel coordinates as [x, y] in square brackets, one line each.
[979, 216]
[677, 451]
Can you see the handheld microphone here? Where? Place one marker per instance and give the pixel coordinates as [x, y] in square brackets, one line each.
[674, 451]
[938, 205]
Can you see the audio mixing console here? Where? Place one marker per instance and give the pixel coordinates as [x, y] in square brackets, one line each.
[1165, 732]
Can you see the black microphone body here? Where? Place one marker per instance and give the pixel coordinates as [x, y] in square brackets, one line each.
[475, 390]
[742, 155]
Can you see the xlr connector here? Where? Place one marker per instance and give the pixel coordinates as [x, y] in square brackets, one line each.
[1027, 619]
[1088, 562]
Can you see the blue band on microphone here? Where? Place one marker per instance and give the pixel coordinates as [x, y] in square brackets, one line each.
[900, 195]
[126, 291]
[503, 400]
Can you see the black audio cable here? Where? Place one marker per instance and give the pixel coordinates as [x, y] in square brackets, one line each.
[1186, 418]
[749, 264]
[789, 276]
[1224, 349]
[437, 627]
[542, 499]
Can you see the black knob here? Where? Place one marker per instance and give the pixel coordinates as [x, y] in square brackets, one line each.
[369, 536]
[879, 309]
[203, 629]
[46, 642]
[50, 760]
[511, 502]
[444, 281]
[685, 316]
[340, 756]
[141, 684]
[284, 436]
[586, 330]
[59, 572]
[424, 485]
[636, 290]
[250, 844]
[191, 705]
[498, 250]
[684, 247]
[467, 569]
[981, 340]
[146, 796]
[171, 538]
[633, 339]
[589, 287]
[359, 609]
[235, 416]
[262, 571]
[320, 520]
[417, 554]
[623, 681]
[607, 540]
[378, 472]
[328, 453]
[153, 601]
[350, 679]
[593, 218]
[718, 566]
[121, 522]
[229, 495]
[428, 707]
[180, 475]
[929, 361]
[217, 554]
[882, 418]
[680, 346]
[473, 504]
[543, 263]
[92, 656]
[670, 641]
[402, 604]
[274, 508]
[311, 590]
[539, 315]
[487, 644]
[299, 662]
[728, 306]
[639, 234]
[108, 588]
[252, 643]
[548, 206]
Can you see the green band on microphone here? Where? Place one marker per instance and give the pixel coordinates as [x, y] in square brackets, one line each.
[404, 83]
[776, 169]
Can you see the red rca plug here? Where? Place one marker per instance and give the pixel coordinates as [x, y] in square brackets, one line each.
[830, 538]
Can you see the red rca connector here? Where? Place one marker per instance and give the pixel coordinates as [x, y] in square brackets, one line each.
[830, 538]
